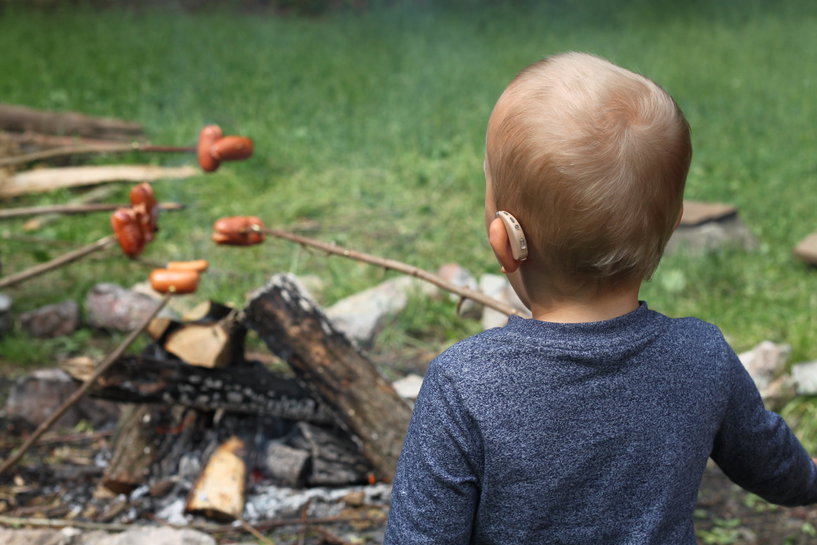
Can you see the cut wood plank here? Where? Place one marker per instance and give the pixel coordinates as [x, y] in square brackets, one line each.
[21, 119]
[806, 250]
[219, 491]
[49, 179]
[328, 363]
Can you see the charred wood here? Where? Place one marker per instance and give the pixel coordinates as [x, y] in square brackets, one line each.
[249, 388]
[333, 368]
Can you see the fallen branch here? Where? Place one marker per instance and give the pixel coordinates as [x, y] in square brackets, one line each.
[74, 209]
[81, 391]
[48, 179]
[15, 522]
[89, 150]
[57, 262]
[398, 266]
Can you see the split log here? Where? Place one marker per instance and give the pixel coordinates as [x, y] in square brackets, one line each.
[22, 119]
[327, 362]
[49, 179]
[207, 343]
[133, 449]
[219, 491]
[249, 388]
[335, 459]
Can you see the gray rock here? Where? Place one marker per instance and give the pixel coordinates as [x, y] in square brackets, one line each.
[5, 314]
[498, 287]
[766, 364]
[51, 321]
[711, 236]
[36, 396]
[409, 386]
[804, 376]
[133, 536]
[109, 306]
[459, 276]
[362, 315]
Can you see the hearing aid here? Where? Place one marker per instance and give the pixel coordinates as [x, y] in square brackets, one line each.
[519, 246]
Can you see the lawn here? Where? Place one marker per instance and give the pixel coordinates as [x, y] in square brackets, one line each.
[369, 132]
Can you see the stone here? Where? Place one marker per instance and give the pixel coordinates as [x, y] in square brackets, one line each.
[109, 306]
[498, 287]
[459, 276]
[362, 315]
[408, 387]
[804, 376]
[806, 250]
[765, 363]
[5, 314]
[36, 396]
[711, 236]
[51, 321]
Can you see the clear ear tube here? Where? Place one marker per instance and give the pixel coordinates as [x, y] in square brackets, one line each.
[519, 246]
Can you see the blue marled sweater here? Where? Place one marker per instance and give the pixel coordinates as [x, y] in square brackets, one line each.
[594, 433]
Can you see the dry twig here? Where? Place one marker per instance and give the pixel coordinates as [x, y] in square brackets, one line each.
[398, 266]
[73, 209]
[82, 390]
[57, 262]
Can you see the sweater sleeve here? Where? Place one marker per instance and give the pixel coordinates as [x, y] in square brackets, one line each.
[435, 491]
[756, 449]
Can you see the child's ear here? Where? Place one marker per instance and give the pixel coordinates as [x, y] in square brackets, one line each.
[501, 245]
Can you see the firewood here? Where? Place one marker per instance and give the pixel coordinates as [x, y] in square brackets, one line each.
[49, 179]
[23, 119]
[219, 491]
[133, 449]
[207, 344]
[328, 363]
[249, 388]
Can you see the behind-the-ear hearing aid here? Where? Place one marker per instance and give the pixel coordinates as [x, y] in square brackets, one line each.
[519, 246]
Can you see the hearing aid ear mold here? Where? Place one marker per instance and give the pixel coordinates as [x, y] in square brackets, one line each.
[519, 246]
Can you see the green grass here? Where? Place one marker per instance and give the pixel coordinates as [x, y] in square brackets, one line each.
[369, 131]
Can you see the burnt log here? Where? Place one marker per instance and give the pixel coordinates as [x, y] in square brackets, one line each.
[22, 119]
[133, 449]
[249, 388]
[333, 368]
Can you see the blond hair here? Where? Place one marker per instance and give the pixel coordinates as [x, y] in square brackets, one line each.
[592, 160]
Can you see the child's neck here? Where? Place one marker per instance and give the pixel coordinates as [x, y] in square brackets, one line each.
[594, 308]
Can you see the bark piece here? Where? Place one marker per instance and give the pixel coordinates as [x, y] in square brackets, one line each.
[48, 179]
[22, 119]
[219, 491]
[697, 212]
[295, 329]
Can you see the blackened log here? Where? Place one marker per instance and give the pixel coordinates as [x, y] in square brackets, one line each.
[333, 368]
[249, 388]
[335, 459]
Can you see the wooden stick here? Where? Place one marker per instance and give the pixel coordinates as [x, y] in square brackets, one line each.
[57, 262]
[77, 395]
[258, 535]
[399, 267]
[91, 149]
[74, 209]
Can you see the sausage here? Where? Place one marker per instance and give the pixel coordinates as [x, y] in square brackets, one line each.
[198, 265]
[144, 204]
[174, 281]
[208, 136]
[128, 232]
[231, 148]
[238, 230]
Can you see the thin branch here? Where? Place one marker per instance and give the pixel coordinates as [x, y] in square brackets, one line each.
[57, 262]
[74, 209]
[258, 535]
[398, 266]
[90, 149]
[62, 523]
[82, 390]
